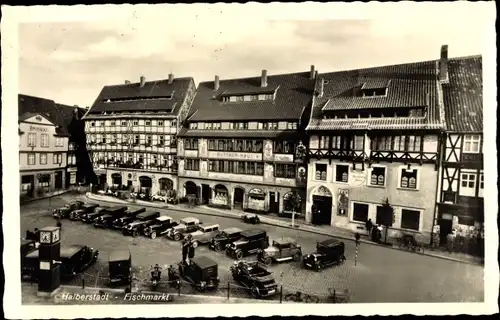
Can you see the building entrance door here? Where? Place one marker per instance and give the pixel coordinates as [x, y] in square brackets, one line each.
[239, 195]
[58, 184]
[445, 226]
[206, 193]
[323, 214]
[274, 202]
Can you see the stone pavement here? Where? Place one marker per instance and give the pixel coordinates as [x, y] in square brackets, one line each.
[117, 296]
[286, 223]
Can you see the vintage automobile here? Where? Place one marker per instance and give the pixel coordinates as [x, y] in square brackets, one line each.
[281, 249]
[90, 216]
[328, 252]
[74, 260]
[250, 218]
[159, 226]
[251, 241]
[204, 234]
[120, 267]
[27, 246]
[64, 212]
[106, 220]
[185, 225]
[86, 208]
[158, 197]
[129, 216]
[141, 221]
[201, 272]
[254, 276]
[223, 238]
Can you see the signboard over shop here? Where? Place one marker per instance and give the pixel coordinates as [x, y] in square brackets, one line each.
[235, 155]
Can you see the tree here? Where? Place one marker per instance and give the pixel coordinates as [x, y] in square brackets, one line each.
[294, 202]
[386, 217]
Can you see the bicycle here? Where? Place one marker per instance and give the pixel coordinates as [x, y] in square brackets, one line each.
[338, 297]
[410, 244]
[301, 297]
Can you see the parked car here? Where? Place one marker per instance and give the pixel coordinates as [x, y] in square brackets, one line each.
[91, 216]
[74, 260]
[223, 238]
[204, 234]
[251, 241]
[106, 220]
[185, 225]
[86, 208]
[64, 211]
[328, 252]
[159, 226]
[127, 218]
[250, 218]
[120, 267]
[158, 197]
[281, 249]
[141, 221]
[201, 272]
[254, 276]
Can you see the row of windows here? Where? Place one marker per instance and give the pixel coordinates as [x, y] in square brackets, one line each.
[133, 158]
[150, 140]
[44, 140]
[377, 113]
[469, 182]
[397, 143]
[410, 219]
[378, 176]
[241, 126]
[125, 123]
[236, 167]
[42, 158]
[241, 145]
[248, 97]
[341, 142]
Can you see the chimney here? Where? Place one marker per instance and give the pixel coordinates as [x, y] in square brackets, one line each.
[216, 83]
[143, 81]
[263, 79]
[127, 81]
[170, 78]
[321, 87]
[443, 64]
[312, 75]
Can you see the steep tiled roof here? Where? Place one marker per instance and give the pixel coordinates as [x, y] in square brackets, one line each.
[155, 96]
[463, 95]
[409, 85]
[293, 95]
[60, 115]
[264, 134]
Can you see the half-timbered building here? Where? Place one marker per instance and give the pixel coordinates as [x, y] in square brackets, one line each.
[131, 133]
[460, 199]
[244, 146]
[374, 136]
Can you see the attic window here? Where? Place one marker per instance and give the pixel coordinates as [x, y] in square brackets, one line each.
[375, 87]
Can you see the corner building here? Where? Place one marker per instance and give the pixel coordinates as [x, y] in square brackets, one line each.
[131, 133]
[244, 145]
[375, 135]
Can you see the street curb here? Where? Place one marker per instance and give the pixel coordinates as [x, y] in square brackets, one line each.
[272, 223]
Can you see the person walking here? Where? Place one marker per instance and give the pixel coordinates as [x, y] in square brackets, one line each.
[369, 225]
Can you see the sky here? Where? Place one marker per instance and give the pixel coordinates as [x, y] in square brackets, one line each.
[70, 57]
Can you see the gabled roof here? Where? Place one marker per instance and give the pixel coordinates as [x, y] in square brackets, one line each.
[293, 93]
[154, 96]
[59, 114]
[463, 95]
[408, 85]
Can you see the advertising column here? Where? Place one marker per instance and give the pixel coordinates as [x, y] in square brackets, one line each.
[49, 256]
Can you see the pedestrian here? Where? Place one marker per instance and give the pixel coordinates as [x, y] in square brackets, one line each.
[185, 250]
[369, 225]
[450, 240]
[358, 237]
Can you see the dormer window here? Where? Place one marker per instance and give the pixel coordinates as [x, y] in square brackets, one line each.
[375, 88]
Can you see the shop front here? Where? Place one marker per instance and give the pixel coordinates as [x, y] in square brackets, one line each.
[256, 201]
[220, 197]
[321, 206]
[146, 184]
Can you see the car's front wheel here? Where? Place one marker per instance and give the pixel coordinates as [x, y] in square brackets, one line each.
[255, 292]
[135, 233]
[318, 267]
[239, 254]
[195, 244]
[267, 261]
[296, 257]
[153, 235]
[177, 237]
[218, 247]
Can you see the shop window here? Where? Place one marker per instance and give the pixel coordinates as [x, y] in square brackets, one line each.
[410, 219]
[408, 179]
[44, 181]
[320, 171]
[341, 173]
[377, 177]
[360, 212]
